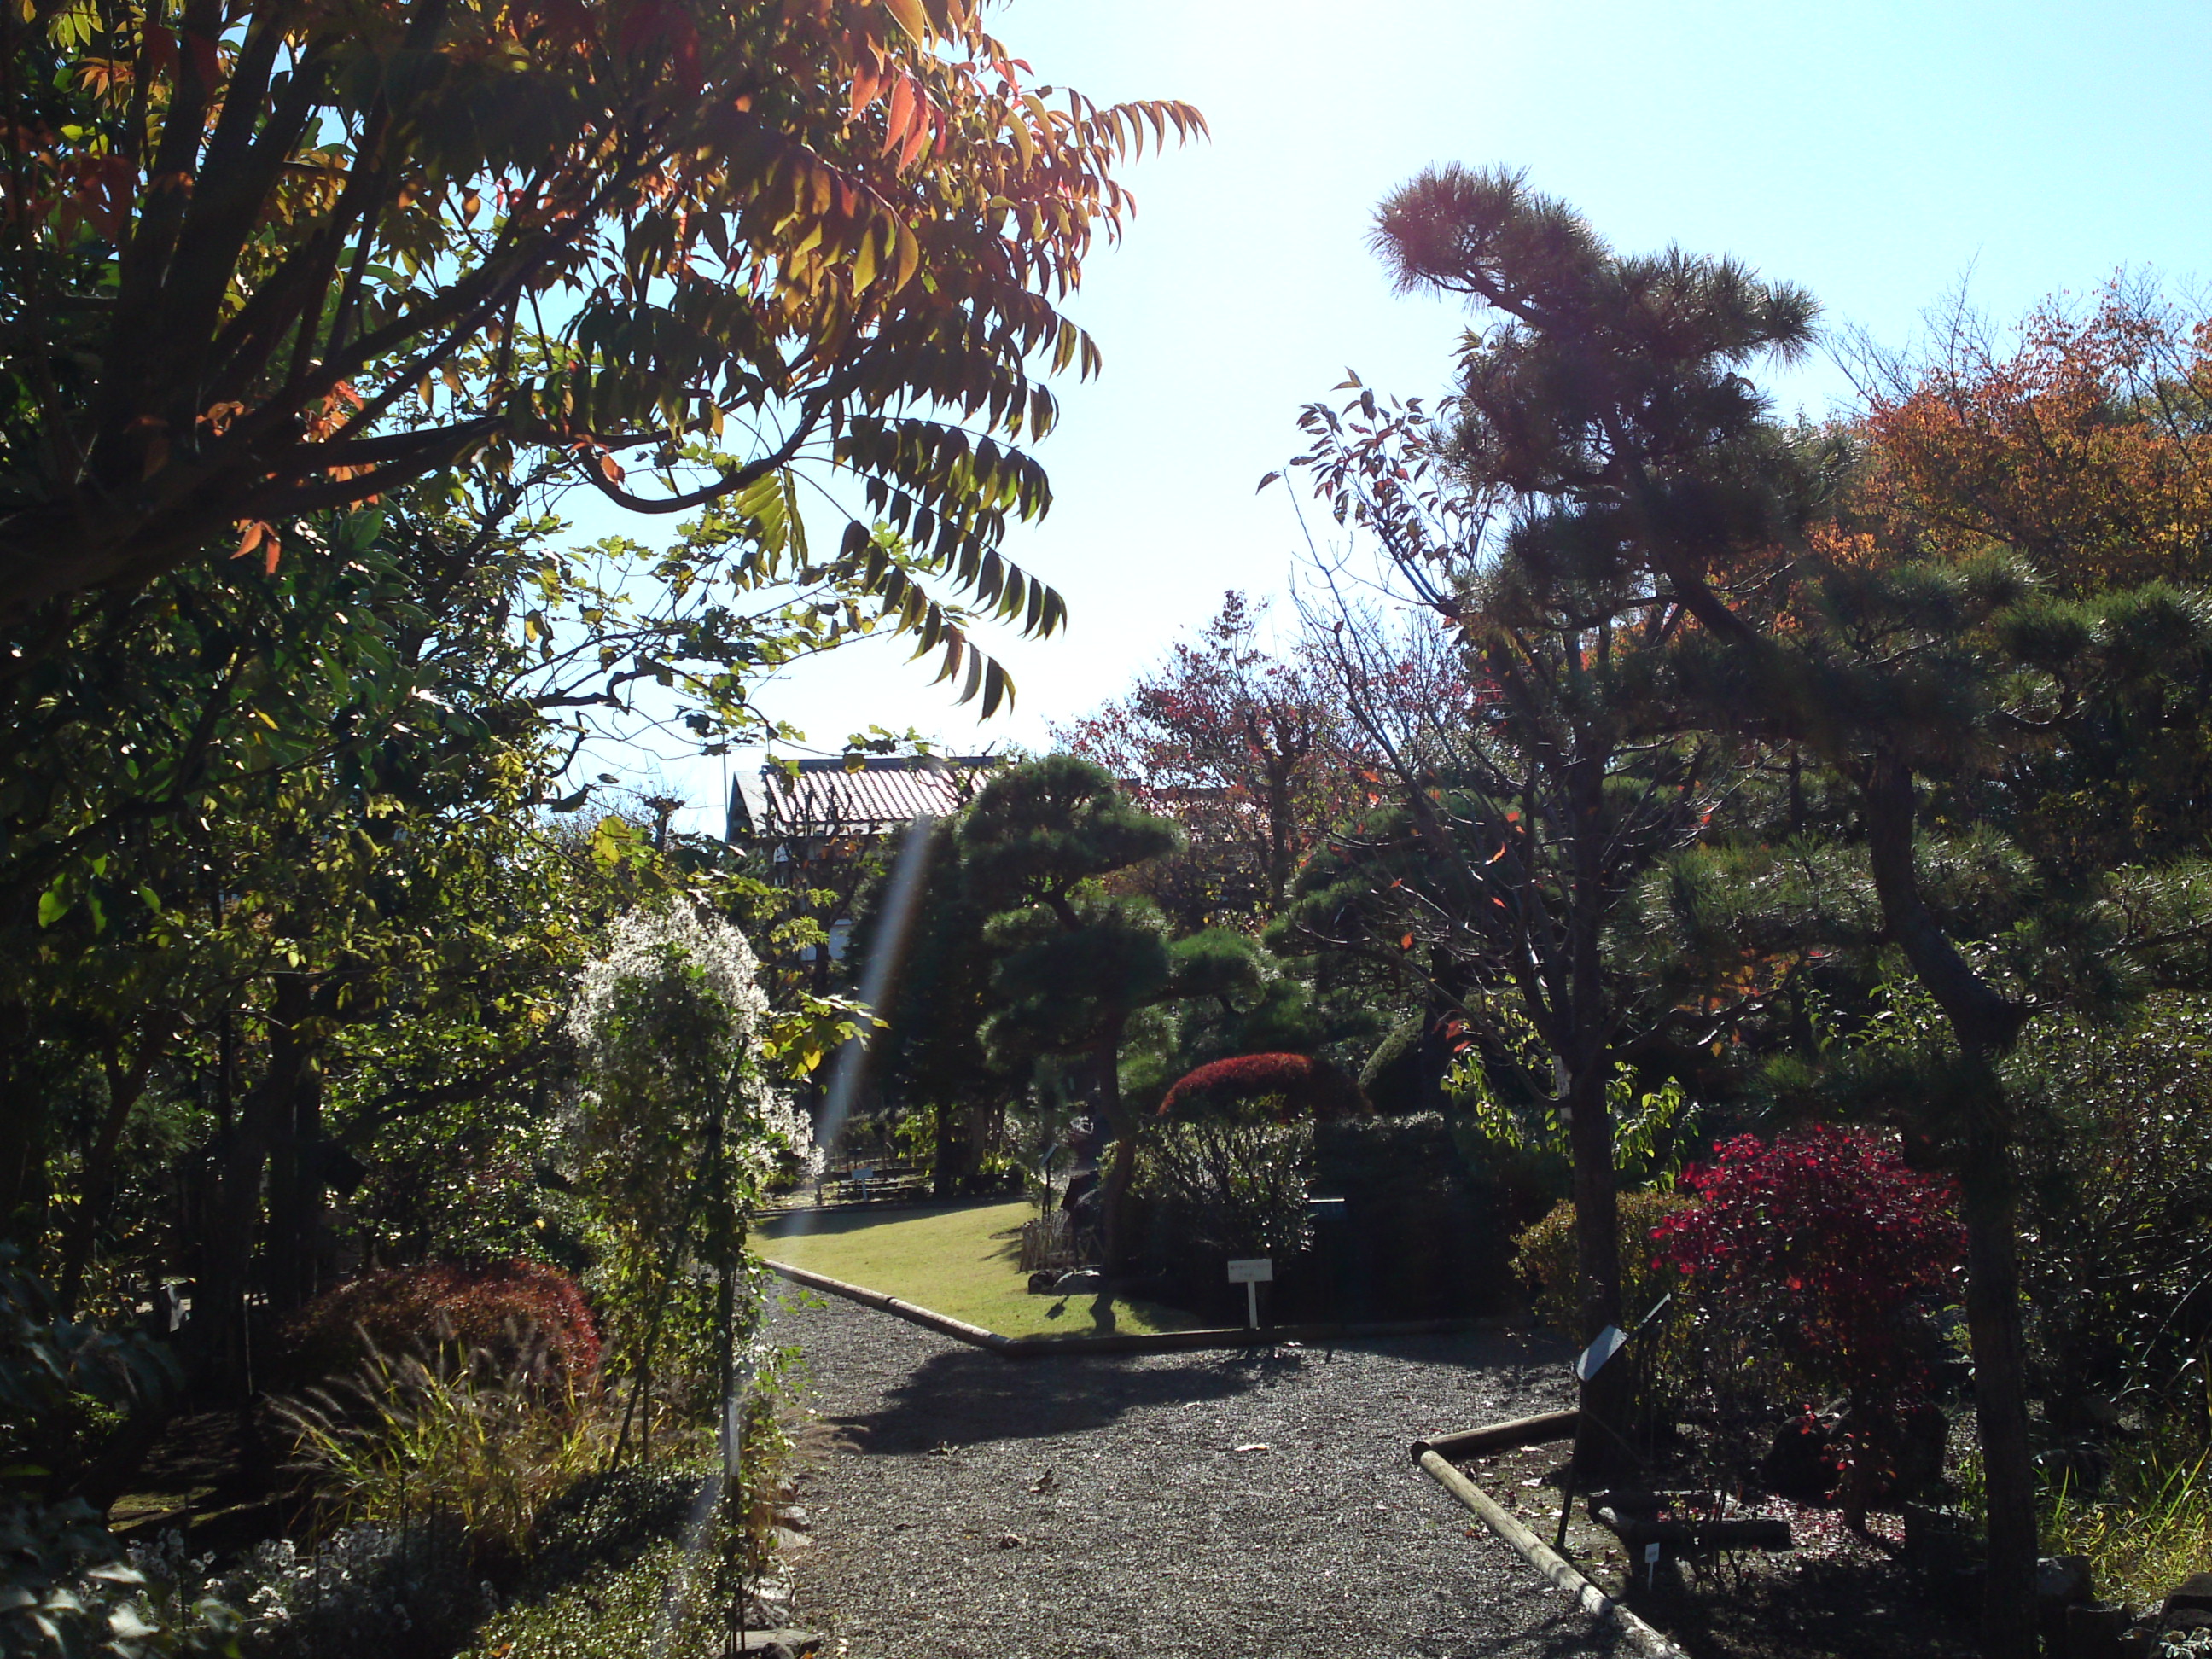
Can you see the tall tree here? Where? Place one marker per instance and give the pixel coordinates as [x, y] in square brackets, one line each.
[265, 261]
[1612, 388]
[932, 1052]
[1533, 785]
[1241, 747]
[1076, 962]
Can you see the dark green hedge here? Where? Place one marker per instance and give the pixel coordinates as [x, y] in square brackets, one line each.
[1425, 1231]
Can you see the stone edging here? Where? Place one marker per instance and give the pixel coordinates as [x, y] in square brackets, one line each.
[1033, 1347]
[1533, 1431]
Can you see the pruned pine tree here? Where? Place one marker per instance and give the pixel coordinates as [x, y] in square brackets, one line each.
[1612, 390]
[930, 1052]
[1075, 962]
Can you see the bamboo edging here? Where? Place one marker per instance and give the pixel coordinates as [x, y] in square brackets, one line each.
[1534, 1550]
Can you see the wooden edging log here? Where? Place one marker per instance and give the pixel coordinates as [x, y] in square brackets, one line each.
[914, 1312]
[1036, 1347]
[1755, 1533]
[1540, 1555]
[1500, 1436]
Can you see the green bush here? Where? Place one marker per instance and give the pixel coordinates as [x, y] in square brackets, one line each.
[2116, 1236]
[66, 1586]
[1546, 1258]
[1224, 1189]
[1424, 1227]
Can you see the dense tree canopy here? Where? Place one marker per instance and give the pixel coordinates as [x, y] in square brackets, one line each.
[269, 261]
[1607, 392]
[1076, 962]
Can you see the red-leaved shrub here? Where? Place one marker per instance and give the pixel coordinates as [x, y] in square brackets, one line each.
[1813, 1265]
[507, 1310]
[1300, 1086]
[1821, 1242]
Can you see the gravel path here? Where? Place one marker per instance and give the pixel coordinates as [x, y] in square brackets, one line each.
[1245, 1505]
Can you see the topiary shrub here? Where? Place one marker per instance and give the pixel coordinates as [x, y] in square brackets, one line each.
[507, 1310]
[1547, 1261]
[1421, 1232]
[1286, 1087]
[1405, 1074]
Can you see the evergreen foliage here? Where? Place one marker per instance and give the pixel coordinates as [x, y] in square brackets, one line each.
[1608, 392]
[1075, 962]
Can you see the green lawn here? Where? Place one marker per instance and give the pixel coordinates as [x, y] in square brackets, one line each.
[962, 1260]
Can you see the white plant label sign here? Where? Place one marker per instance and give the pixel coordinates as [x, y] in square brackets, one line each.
[1251, 1274]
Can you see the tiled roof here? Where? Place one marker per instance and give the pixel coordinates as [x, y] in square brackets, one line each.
[882, 794]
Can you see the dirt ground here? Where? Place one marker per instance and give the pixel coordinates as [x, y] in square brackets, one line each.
[1836, 1595]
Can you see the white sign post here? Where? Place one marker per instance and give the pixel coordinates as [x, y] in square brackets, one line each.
[1260, 1270]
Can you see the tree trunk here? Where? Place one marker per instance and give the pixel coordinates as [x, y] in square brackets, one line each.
[1607, 1401]
[1113, 1198]
[1984, 1023]
[221, 1343]
[298, 1173]
[1990, 1203]
[124, 1086]
[23, 1126]
[955, 1173]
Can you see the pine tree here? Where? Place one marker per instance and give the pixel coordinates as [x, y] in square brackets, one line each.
[1611, 391]
[1539, 763]
[1076, 962]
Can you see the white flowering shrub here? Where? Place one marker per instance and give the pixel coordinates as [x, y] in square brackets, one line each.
[672, 1025]
[680, 1128]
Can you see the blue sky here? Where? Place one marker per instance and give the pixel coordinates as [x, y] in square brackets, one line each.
[1876, 153]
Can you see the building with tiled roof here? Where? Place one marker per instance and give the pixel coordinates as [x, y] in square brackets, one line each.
[817, 820]
[815, 800]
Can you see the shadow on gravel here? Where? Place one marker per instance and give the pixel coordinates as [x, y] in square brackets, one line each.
[1562, 1636]
[967, 1397]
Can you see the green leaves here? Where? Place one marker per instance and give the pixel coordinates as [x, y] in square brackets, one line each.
[768, 220]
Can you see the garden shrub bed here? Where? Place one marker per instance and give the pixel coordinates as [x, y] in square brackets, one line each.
[1836, 1596]
[1422, 1233]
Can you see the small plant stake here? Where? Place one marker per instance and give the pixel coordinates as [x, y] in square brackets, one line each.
[1650, 1567]
[1251, 1275]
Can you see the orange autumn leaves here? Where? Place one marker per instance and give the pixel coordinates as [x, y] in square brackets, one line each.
[2087, 450]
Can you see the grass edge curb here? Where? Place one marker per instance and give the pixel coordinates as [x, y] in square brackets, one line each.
[1032, 1347]
[1540, 1556]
